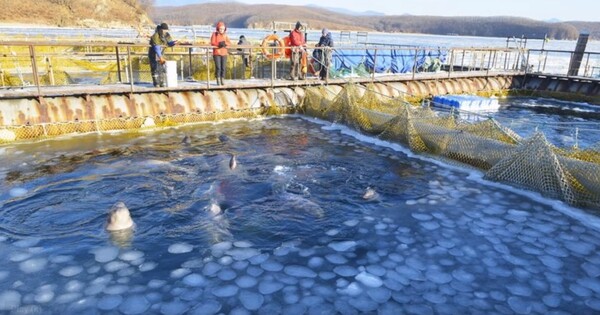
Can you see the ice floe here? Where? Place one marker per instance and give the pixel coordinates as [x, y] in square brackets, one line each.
[180, 248]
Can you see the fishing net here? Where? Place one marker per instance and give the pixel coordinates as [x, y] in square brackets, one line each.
[569, 175]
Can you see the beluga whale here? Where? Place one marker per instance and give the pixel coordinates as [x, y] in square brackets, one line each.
[233, 162]
[370, 194]
[186, 141]
[119, 218]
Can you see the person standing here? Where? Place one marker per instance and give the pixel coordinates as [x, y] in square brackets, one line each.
[297, 44]
[325, 42]
[219, 40]
[158, 41]
[245, 52]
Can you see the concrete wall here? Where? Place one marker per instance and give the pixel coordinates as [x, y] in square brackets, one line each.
[44, 110]
[566, 88]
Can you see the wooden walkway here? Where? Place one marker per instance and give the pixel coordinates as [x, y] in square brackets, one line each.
[186, 86]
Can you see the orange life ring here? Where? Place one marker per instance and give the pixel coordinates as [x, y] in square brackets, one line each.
[268, 49]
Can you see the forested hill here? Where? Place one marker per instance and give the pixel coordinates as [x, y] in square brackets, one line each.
[261, 15]
[78, 13]
[134, 13]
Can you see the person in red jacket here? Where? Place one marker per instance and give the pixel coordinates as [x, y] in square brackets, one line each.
[297, 44]
[220, 41]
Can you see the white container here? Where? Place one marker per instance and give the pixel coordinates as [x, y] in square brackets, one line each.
[171, 72]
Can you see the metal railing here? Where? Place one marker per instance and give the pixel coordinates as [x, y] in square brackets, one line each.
[47, 64]
[556, 62]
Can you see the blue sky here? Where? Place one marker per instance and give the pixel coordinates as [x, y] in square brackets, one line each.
[564, 10]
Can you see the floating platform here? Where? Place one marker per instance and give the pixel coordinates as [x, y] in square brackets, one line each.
[466, 102]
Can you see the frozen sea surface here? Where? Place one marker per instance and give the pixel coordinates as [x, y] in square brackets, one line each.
[293, 236]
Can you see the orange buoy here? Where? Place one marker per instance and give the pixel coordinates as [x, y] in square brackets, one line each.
[287, 41]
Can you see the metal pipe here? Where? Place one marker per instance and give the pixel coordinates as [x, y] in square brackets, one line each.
[415, 63]
[489, 64]
[130, 68]
[274, 67]
[451, 65]
[190, 68]
[118, 65]
[207, 68]
[36, 77]
[587, 61]
[374, 65]
[50, 71]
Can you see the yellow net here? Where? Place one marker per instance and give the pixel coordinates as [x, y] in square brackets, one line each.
[569, 175]
[344, 109]
[491, 129]
[401, 128]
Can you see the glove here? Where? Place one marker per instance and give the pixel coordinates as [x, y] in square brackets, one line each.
[221, 44]
[162, 60]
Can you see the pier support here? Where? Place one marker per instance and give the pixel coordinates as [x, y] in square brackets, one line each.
[577, 55]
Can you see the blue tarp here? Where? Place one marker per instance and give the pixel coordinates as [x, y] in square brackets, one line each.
[380, 60]
[402, 60]
[395, 60]
[347, 59]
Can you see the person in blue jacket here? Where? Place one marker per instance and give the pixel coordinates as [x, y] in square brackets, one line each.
[325, 42]
[158, 41]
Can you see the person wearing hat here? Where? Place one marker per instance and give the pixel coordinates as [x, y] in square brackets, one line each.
[158, 41]
[297, 44]
[220, 41]
[324, 53]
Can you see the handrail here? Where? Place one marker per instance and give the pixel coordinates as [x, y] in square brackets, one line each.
[105, 53]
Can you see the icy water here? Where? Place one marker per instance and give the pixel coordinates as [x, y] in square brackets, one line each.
[565, 124]
[294, 235]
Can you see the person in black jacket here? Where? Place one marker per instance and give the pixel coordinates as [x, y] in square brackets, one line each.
[325, 44]
[245, 52]
[158, 41]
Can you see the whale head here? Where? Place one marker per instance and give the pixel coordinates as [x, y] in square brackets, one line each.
[119, 218]
[187, 140]
[370, 194]
[232, 162]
